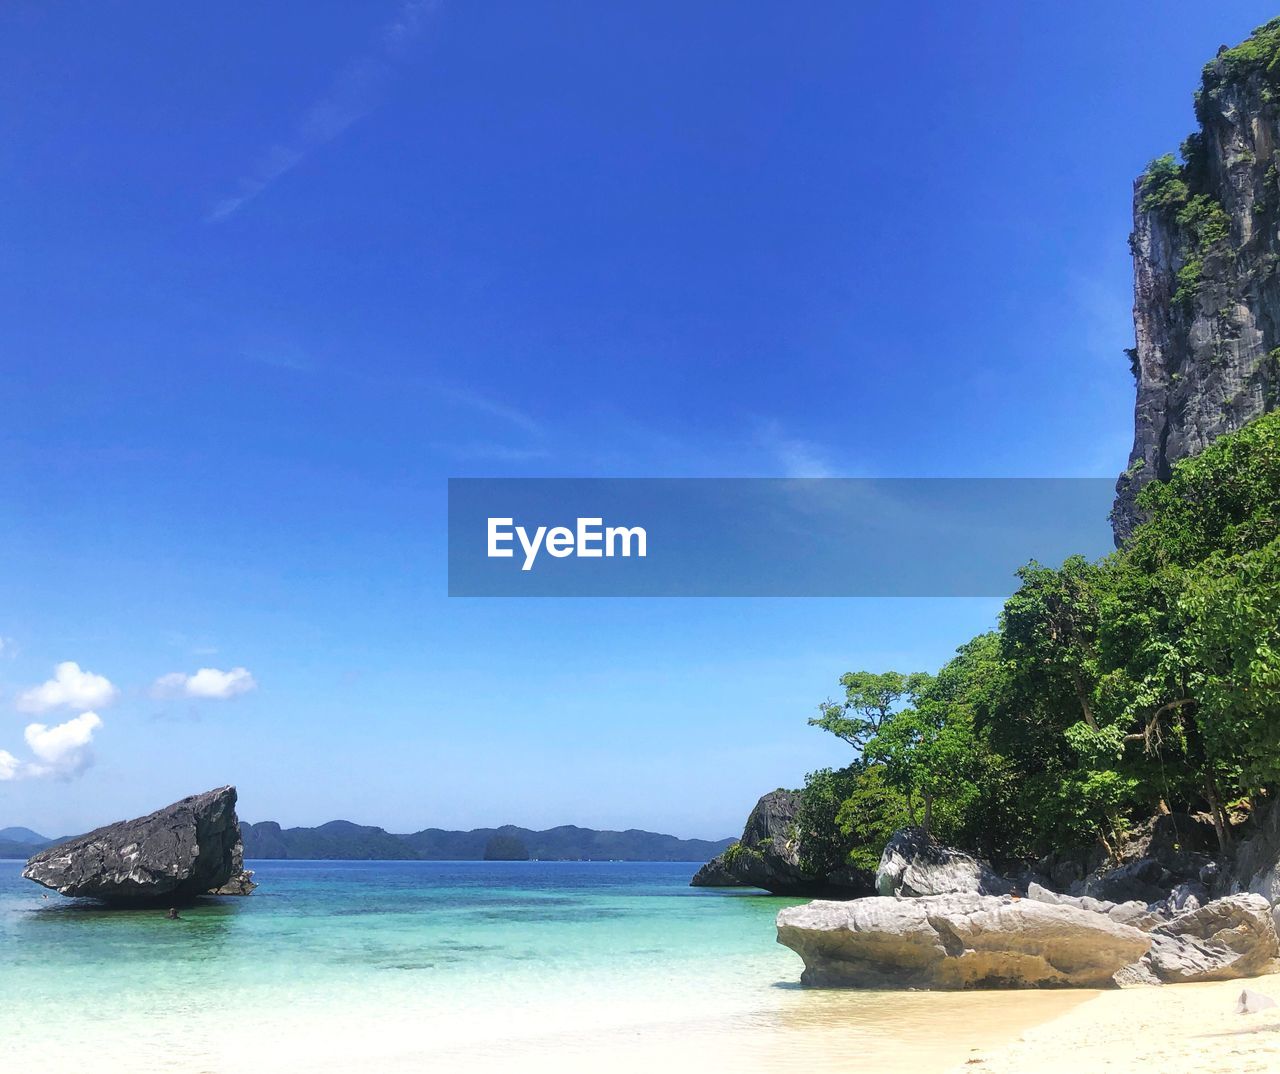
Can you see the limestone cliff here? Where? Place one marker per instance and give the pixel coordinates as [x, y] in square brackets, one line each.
[1206, 246]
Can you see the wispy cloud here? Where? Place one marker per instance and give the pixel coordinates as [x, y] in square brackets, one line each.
[795, 457]
[480, 451]
[493, 408]
[355, 92]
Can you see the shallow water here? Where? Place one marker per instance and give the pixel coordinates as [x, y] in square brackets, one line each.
[439, 965]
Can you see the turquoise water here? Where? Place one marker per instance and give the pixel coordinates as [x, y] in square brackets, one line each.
[368, 926]
[364, 941]
[411, 966]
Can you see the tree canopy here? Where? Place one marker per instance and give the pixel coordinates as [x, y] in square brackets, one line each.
[1148, 680]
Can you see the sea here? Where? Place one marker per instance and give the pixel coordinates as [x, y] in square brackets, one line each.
[443, 966]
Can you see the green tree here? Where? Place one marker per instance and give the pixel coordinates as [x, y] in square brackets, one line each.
[870, 698]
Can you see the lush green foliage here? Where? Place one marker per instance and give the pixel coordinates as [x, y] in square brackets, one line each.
[1259, 54]
[1147, 680]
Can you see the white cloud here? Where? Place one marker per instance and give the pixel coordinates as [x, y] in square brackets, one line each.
[205, 683]
[71, 687]
[9, 766]
[61, 751]
[355, 92]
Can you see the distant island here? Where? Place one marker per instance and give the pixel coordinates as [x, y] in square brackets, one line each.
[341, 840]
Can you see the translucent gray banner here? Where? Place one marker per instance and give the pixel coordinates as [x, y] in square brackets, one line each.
[765, 537]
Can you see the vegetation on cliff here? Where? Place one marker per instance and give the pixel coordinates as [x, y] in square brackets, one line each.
[1111, 690]
[1206, 252]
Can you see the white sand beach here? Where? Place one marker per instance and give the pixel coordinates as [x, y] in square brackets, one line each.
[1182, 1029]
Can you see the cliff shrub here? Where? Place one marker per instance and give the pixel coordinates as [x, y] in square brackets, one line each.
[1258, 54]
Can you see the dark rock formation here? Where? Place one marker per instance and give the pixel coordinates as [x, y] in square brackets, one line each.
[1155, 858]
[241, 880]
[768, 856]
[1206, 247]
[957, 941]
[914, 864]
[715, 874]
[179, 852]
[1222, 940]
[1256, 864]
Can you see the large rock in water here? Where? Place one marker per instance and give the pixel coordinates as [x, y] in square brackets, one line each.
[1222, 940]
[955, 942]
[181, 851]
[241, 880]
[768, 856]
[913, 864]
[715, 874]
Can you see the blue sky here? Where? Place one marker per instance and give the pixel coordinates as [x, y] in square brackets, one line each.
[273, 273]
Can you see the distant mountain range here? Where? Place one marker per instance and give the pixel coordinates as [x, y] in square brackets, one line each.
[343, 840]
[22, 842]
[340, 839]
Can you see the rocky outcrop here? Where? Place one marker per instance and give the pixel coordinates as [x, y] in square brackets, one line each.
[1255, 866]
[1138, 914]
[1155, 860]
[715, 874]
[914, 864]
[1222, 940]
[241, 880]
[179, 852]
[768, 856]
[955, 942]
[1206, 248]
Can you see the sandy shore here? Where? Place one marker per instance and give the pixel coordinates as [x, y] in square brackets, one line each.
[1182, 1029]
[799, 1032]
[1187, 1029]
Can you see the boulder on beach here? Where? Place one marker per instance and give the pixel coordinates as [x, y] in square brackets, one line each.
[182, 851]
[957, 942]
[915, 864]
[1138, 914]
[1220, 941]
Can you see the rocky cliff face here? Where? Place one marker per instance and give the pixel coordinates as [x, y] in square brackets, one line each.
[1206, 247]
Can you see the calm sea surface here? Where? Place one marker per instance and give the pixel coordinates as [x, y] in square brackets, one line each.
[428, 965]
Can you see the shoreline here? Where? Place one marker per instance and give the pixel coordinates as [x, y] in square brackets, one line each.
[1176, 1029]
